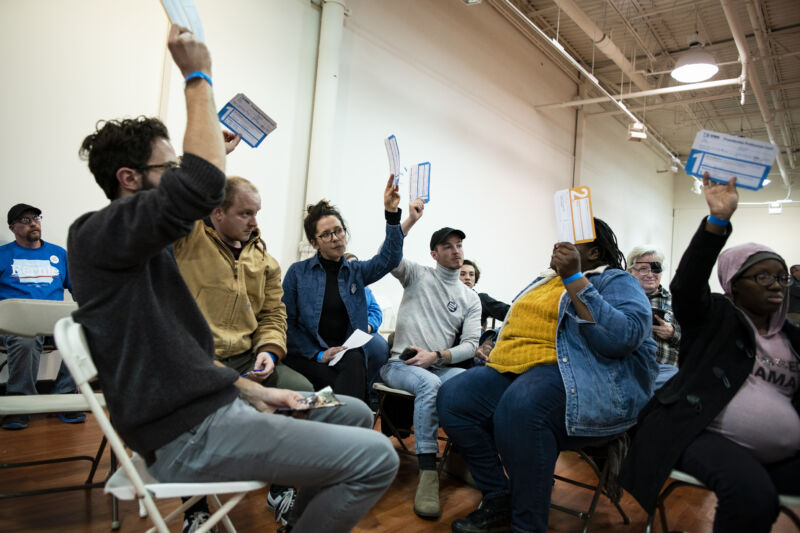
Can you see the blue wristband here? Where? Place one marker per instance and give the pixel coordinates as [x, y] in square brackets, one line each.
[319, 357]
[198, 74]
[274, 357]
[577, 275]
[718, 221]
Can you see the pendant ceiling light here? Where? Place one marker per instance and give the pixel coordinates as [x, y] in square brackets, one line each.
[696, 64]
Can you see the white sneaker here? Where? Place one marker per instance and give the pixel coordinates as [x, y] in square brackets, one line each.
[281, 503]
[193, 522]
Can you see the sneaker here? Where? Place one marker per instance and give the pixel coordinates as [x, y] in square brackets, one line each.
[280, 501]
[193, 522]
[13, 422]
[72, 418]
[491, 516]
[426, 500]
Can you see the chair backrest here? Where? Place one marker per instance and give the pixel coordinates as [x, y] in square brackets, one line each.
[29, 318]
[74, 349]
[71, 342]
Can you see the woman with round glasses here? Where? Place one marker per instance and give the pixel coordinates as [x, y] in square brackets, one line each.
[644, 262]
[324, 295]
[730, 415]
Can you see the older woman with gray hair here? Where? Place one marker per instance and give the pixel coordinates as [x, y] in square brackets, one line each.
[646, 264]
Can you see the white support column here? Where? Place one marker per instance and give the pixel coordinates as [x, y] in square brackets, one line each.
[324, 111]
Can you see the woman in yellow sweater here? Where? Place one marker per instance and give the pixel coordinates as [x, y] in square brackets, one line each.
[572, 366]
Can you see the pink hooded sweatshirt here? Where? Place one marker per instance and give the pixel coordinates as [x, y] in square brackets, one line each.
[760, 417]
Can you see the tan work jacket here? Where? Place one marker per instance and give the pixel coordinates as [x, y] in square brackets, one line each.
[241, 299]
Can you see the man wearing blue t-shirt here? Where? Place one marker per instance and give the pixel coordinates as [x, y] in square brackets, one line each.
[36, 270]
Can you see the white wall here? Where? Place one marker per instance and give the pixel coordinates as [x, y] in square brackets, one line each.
[628, 192]
[457, 85]
[68, 64]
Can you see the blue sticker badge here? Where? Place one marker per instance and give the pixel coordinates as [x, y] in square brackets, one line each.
[452, 306]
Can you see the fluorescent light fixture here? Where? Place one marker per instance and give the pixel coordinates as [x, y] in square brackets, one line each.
[775, 208]
[696, 64]
[673, 168]
[697, 186]
[471, 2]
[637, 132]
[767, 181]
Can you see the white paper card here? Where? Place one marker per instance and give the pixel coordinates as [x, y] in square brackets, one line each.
[358, 339]
[725, 156]
[393, 152]
[419, 182]
[184, 13]
[574, 218]
[242, 116]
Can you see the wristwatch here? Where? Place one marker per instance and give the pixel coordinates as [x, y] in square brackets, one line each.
[439, 358]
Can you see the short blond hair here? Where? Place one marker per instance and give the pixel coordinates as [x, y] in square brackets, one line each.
[646, 249]
[233, 186]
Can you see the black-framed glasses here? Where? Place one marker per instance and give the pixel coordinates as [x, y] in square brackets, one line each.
[652, 266]
[766, 279]
[28, 220]
[165, 166]
[329, 235]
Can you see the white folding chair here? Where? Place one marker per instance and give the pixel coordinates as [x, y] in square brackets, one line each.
[682, 479]
[31, 318]
[132, 480]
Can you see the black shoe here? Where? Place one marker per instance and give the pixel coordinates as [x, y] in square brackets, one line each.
[491, 516]
[193, 522]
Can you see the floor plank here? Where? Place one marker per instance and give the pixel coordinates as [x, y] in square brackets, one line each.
[90, 511]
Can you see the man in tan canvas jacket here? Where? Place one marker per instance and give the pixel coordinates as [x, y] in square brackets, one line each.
[237, 286]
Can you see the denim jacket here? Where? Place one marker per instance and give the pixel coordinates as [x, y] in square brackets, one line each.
[304, 291]
[608, 366]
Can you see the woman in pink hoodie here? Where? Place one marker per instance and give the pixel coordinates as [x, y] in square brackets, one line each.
[729, 417]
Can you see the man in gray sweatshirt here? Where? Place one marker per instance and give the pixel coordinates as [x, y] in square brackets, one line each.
[440, 318]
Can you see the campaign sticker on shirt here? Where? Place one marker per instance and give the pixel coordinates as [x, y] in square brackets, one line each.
[353, 288]
[54, 259]
[452, 306]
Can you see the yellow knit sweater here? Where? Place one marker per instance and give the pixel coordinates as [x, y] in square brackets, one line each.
[529, 336]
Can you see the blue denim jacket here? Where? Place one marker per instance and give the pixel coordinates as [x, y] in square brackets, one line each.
[608, 366]
[304, 290]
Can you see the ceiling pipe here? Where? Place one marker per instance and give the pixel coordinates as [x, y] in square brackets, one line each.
[602, 41]
[591, 77]
[650, 92]
[758, 28]
[755, 83]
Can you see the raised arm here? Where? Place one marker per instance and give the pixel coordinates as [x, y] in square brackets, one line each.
[415, 209]
[691, 295]
[202, 137]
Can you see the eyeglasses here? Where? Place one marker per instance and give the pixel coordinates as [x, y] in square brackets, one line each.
[165, 166]
[652, 267]
[765, 279]
[329, 235]
[28, 220]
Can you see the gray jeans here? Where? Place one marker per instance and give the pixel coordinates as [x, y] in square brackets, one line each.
[340, 470]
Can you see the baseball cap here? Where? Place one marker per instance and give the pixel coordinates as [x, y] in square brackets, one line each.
[440, 235]
[15, 212]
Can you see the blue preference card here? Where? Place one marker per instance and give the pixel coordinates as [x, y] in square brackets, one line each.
[724, 156]
[242, 116]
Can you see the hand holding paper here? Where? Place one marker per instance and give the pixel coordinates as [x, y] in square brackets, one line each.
[723, 156]
[419, 182]
[358, 339]
[184, 13]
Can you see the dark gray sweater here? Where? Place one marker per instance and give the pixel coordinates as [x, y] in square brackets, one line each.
[151, 345]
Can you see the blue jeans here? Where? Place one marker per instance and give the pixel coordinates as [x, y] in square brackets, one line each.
[489, 415]
[424, 383]
[23, 367]
[377, 353]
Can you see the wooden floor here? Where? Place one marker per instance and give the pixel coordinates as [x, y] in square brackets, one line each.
[90, 511]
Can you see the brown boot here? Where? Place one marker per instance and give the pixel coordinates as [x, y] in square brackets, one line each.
[426, 501]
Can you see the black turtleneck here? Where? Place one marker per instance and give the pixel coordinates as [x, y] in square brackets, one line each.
[334, 321]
